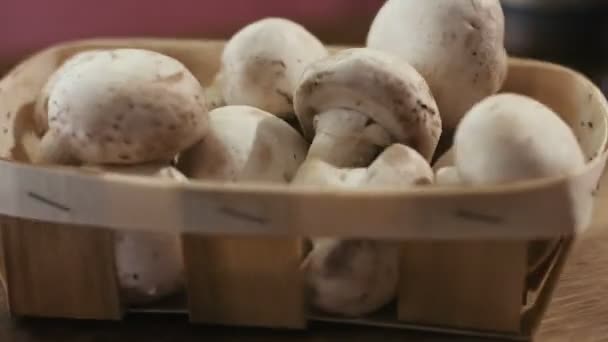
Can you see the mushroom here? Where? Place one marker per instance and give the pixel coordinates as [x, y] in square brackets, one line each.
[356, 277]
[245, 144]
[149, 265]
[262, 63]
[359, 101]
[122, 106]
[508, 138]
[116, 111]
[458, 46]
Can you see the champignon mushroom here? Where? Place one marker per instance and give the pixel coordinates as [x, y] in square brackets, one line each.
[122, 106]
[358, 277]
[458, 46]
[245, 144]
[359, 101]
[508, 138]
[149, 265]
[262, 63]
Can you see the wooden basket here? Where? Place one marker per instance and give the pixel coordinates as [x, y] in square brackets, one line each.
[465, 255]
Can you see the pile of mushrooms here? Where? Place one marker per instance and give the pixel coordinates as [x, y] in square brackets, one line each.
[284, 110]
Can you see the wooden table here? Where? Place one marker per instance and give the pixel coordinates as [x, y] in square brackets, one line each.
[578, 313]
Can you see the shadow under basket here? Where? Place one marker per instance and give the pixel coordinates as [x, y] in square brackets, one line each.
[478, 261]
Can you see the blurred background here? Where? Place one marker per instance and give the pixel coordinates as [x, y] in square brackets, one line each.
[570, 32]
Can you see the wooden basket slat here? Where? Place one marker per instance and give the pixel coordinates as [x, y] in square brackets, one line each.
[463, 284]
[245, 281]
[60, 271]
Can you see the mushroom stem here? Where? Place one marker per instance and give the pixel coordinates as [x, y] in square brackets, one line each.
[53, 149]
[345, 138]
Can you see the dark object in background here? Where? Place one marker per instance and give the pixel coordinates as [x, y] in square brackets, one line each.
[569, 32]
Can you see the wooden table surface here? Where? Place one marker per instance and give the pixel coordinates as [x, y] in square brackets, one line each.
[578, 313]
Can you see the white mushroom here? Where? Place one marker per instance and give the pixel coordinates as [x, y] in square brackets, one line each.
[358, 277]
[508, 138]
[262, 63]
[359, 101]
[352, 277]
[123, 106]
[245, 144]
[457, 45]
[149, 265]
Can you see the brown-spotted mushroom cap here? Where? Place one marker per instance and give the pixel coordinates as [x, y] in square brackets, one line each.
[357, 277]
[262, 63]
[359, 101]
[457, 45]
[508, 138]
[245, 144]
[123, 106]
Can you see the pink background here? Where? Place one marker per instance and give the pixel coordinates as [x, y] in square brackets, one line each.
[29, 25]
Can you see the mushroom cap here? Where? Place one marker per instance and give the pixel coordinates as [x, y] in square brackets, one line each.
[127, 106]
[42, 102]
[315, 172]
[377, 84]
[262, 63]
[352, 277]
[245, 144]
[458, 46]
[509, 137]
[149, 265]
[399, 165]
